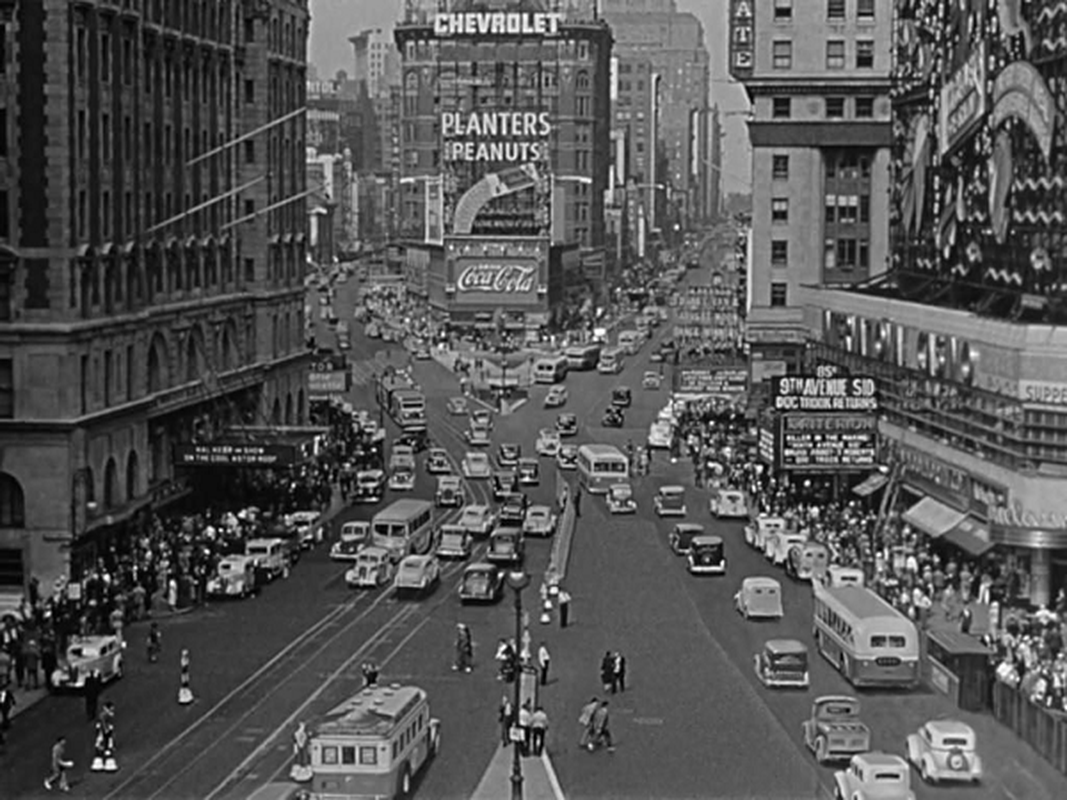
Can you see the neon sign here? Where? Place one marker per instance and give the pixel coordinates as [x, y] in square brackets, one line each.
[499, 23]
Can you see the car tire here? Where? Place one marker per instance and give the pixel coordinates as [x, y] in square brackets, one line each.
[822, 749]
[403, 789]
[925, 774]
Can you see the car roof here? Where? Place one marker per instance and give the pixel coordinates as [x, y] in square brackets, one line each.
[784, 646]
[621, 486]
[880, 760]
[672, 489]
[689, 527]
[474, 454]
[448, 479]
[510, 444]
[417, 558]
[264, 541]
[549, 432]
[438, 451]
[621, 389]
[481, 566]
[539, 508]
[760, 580]
[836, 698]
[528, 460]
[709, 541]
[949, 727]
[378, 552]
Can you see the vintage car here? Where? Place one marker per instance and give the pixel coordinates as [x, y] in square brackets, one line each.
[346, 550]
[508, 455]
[834, 731]
[453, 542]
[707, 556]
[457, 406]
[660, 435]
[477, 435]
[567, 424]
[556, 397]
[481, 583]
[620, 499]
[651, 380]
[776, 546]
[548, 442]
[807, 562]
[370, 486]
[944, 750]
[416, 439]
[402, 480]
[728, 504]
[305, 525]
[539, 521]
[513, 507]
[682, 535]
[357, 531]
[874, 776]
[402, 456]
[529, 472]
[437, 462]
[504, 483]
[271, 556]
[838, 575]
[783, 663]
[449, 492]
[476, 465]
[613, 417]
[757, 532]
[622, 397]
[477, 520]
[670, 501]
[483, 417]
[85, 654]
[567, 458]
[506, 546]
[417, 573]
[422, 353]
[235, 576]
[374, 567]
[759, 597]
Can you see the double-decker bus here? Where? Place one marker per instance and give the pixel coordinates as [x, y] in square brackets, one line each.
[404, 527]
[372, 745]
[583, 357]
[869, 641]
[600, 466]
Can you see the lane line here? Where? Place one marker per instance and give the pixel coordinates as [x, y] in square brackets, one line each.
[553, 779]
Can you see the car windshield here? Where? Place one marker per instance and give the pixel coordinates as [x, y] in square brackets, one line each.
[708, 553]
[888, 641]
[477, 582]
[796, 661]
[411, 568]
[955, 741]
[887, 777]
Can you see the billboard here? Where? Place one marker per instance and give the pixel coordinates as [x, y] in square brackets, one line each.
[496, 282]
[742, 38]
[823, 394]
[326, 384]
[711, 380]
[827, 442]
[217, 454]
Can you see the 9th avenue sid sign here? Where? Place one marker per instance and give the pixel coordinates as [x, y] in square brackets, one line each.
[813, 394]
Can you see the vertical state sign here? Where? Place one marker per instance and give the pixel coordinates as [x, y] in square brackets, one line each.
[742, 38]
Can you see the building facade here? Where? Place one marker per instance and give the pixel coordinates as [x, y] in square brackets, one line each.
[505, 138]
[965, 334]
[152, 282]
[820, 133]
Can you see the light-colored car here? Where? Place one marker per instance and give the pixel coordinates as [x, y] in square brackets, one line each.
[548, 442]
[374, 567]
[874, 776]
[476, 465]
[660, 435]
[403, 480]
[457, 406]
[834, 731]
[567, 457]
[759, 597]
[417, 573]
[454, 542]
[235, 576]
[477, 435]
[85, 654]
[728, 504]
[556, 397]
[776, 547]
[539, 521]
[477, 520]
[651, 380]
[449, 492]
[783, 663]
[670, 501]
[621, 500]
[437, 462]
[529, 472]
[306, 526]
[482, 416]
[508, 455]
[402, 457]
[757, 532]
[945, 750]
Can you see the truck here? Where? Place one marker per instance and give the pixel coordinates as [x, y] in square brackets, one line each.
[403, 402]
[834, 731]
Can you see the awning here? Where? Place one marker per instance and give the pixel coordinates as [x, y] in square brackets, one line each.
[971, 536]
[106, 250]
[128, 248]
[932, 517]
[873, 482]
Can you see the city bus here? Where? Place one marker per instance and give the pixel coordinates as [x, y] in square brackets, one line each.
[373, 744]
[610, 361]
[550, 370]
[865, 638]
[404, 527]
[601, 466]
[583, 357]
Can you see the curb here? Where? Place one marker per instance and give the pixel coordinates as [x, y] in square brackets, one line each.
[556, 571]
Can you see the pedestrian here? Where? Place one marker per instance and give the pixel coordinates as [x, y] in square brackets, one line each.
[370, 674]
[966, 618]
[525, 715]
[464, 649]
[578, 502]
[49, 660]
[185, 691]
[601, 728]
[504, 717]
[32, 657]
[60, 765]
[544, 660]
[585, 721]
[538, 729]
[564, 608]
[7, 704]
[619, 670]
[93, 685]
[154, 643]
[607, 672]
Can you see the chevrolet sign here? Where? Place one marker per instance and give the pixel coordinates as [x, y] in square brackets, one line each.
[498, 23]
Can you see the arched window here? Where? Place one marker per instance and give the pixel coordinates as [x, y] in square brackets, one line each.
[582, 81]
[276, 412]
[12, 502]
[194, 353]
[132, 475]
[300, 410]
[111, 484]
[289, 410]
[158, 368]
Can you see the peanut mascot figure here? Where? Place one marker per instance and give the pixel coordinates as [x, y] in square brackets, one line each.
[185, 692]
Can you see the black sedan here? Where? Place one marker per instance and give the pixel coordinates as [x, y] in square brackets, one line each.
[567, 425]
[613, 418]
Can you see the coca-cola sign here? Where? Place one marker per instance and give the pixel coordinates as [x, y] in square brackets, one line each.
[497, 279]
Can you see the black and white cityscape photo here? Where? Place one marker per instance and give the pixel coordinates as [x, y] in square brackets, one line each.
[533, 399]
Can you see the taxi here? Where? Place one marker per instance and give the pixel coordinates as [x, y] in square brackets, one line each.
[548, 443]
[481, 583]
[345, 550]
[759, 597]
[482, 417]
[374, 567]
[556, 397]
[457, 406]
[453, 542]
[670, 501]
[783, 663]
[402, 457]
[728, 504]
[529, 472]
[875, 776]
[449, 492]
[651, 380]
[417, 573]
[621, 397]
[620, 499]
[682, 536]
[539, 521]
[838, 575]
[477, 435]
[476, 465]
[506, 546]
[945, 750]
[776, 546]
[762, 528]
[567, 424]
[477, 520]
[87, 654]
[504, 483]
[513, 509]
[508, 455]
[437, 462]
[235, 576]
[808, 561]
[305, 525]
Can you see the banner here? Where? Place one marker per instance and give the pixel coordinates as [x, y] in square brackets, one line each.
[811, 393]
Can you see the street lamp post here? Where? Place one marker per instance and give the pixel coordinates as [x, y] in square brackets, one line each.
[518, 581]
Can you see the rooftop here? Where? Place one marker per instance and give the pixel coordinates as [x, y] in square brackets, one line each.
[372, 712]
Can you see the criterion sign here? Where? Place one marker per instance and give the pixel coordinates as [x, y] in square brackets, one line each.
[812, 394]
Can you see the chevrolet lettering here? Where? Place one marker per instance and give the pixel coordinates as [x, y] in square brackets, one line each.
[525, 23]
[501, 278]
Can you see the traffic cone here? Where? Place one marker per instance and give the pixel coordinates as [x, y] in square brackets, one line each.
[98, 764]
[546, 612]
[110, 764]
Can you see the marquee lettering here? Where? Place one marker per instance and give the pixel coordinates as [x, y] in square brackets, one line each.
[498, 278]
[1015, 515]
[513, 23]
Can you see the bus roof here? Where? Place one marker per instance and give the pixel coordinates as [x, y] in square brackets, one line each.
[582, 348]
[373, 712]
[598, 450]
[858, 601]
[403, 508]
[408, 394]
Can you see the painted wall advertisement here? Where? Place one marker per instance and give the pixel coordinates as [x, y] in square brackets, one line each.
[742, 38]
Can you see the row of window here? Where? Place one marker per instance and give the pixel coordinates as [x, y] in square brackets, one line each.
[841, 253]
[836, 10]
[833, 107]
[782, 54]
[840, 209]
[832, 620]
[436, 50]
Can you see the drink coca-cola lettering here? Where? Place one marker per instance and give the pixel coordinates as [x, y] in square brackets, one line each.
[497, 278]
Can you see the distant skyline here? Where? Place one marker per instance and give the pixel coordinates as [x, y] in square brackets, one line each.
[333, 21]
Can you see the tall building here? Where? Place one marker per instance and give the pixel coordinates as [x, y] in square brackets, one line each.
[505, 133]
[633, 132]
[820, 133]
[151, 284]
[716, 134]
[674, 42]
[965, 334]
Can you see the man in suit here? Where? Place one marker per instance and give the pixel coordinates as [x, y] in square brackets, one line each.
[93, 685]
